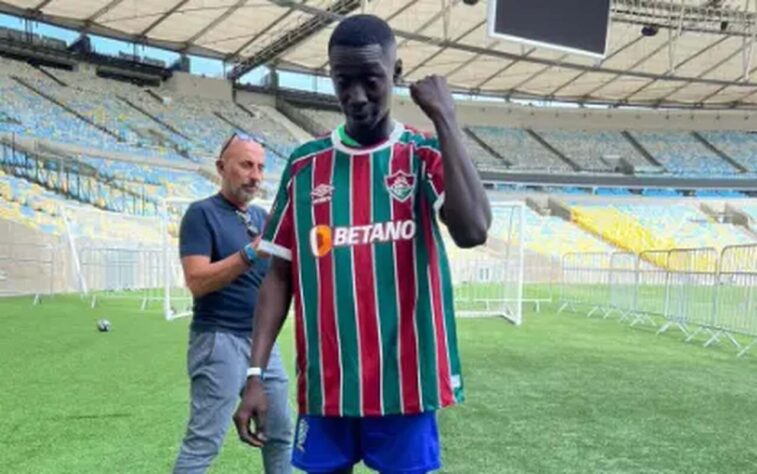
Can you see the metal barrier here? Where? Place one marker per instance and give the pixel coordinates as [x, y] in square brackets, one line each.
[540, 276]
[487, 287]
[691, 290]
[623, 282]
[694, 290]
[651, 296]
[585, 282]
[736, 304]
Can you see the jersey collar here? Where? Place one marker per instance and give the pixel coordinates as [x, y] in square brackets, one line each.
[394, 137]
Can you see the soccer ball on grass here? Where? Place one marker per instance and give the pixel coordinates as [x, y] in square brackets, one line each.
[103, 325]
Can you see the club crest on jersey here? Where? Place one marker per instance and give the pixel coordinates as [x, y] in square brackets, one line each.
[321, 193]
[400, 185]
[324, 238]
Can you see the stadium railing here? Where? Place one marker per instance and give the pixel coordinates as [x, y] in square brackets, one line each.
[736, 304]
[691, 289]
[699, 291]
[650, 295]
[585, 282]
[624, 271]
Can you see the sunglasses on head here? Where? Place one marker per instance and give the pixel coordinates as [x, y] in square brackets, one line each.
[236, 135]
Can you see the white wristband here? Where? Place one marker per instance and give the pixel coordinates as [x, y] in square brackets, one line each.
[255, 372]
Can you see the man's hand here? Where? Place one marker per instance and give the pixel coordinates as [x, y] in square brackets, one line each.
[256, 246]
[254, 407]
[433, 96]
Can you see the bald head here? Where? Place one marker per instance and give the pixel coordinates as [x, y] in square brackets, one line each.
[241, 167]
[241, 147]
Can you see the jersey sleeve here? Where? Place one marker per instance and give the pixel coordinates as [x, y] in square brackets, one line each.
[278, 234]
[432, 181]
[194, 234]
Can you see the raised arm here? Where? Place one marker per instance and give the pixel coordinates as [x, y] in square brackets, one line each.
[466, 210]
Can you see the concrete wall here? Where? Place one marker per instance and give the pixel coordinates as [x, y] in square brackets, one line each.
[32, 262]
[185, 84]
[86, 69]
[245, 97]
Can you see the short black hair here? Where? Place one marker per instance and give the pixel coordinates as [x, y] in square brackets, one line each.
[362, 30]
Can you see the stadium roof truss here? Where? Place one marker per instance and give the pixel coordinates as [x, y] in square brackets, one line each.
[702, 55]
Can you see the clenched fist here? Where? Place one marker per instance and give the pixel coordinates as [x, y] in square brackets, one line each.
[433, 96]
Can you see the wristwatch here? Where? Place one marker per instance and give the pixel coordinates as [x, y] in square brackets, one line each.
[255, 372]
[249, 254]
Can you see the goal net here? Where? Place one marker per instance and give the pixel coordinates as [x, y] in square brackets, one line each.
[176, 298]
[488, 281]
[113, 255]
[117, 256]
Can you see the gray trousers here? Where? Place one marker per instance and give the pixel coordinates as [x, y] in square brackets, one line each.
[217, 363]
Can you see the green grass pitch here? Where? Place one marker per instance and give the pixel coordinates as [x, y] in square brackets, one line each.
[562, 393]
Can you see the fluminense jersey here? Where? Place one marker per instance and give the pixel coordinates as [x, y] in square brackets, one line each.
[374, 319]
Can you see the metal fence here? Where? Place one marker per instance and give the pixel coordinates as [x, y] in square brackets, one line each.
[623, 279]
[650, 296]
[585, 282]
[736, 303]
[540, 276]
[698, 291]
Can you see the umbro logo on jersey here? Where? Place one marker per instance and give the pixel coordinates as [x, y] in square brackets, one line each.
[322, 193]
[324, 238]
[400, 185]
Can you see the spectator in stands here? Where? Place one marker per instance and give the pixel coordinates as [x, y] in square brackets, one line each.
[218, 244]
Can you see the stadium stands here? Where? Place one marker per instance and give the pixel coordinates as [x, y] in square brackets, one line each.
[685, 225]
[751, 211]
[637, 227]
[124, 117]
[682, 154]
[81, 108]
[520, 148]
[158, 182]
[326, 119]
[619, 228]
[742, 147]
[37, 116]
[42, 210]
[588, 148]
[550, 235]
[29, 204]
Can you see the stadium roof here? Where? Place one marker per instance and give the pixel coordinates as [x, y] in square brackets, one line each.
[702, 55]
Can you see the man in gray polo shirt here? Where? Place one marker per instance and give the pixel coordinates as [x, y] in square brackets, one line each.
[217, 243]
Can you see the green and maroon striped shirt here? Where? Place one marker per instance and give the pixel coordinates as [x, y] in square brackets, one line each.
[374, 318]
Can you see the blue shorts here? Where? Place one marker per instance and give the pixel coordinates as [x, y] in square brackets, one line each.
[396, 444]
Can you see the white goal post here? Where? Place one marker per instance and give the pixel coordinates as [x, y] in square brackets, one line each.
[488, 281]
[176, 298]
[116, 256]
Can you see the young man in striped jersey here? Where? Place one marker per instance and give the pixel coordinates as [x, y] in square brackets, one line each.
[355, 239]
